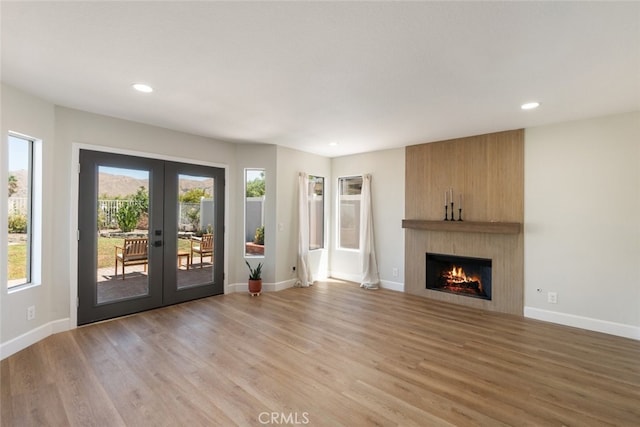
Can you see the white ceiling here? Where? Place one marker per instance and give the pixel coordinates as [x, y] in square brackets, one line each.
[367, 75]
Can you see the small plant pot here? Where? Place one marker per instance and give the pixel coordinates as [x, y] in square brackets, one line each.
[255, 287]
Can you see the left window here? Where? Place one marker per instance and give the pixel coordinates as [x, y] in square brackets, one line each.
[23, 225]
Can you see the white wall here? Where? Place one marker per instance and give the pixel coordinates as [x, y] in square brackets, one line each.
[290, 163]
[582, 223]
[33, 117]
[387, 169]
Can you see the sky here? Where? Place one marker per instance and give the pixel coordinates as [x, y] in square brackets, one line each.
[253, 174]
[18, 154]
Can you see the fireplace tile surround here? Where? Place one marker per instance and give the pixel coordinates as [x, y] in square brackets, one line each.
[488, 170]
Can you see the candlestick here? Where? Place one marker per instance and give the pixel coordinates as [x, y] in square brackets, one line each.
[459, 214]
[445, 212]
[452, 212]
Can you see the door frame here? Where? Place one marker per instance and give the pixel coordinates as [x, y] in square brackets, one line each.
[73, 231]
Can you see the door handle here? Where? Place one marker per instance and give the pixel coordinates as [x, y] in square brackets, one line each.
[157, 243]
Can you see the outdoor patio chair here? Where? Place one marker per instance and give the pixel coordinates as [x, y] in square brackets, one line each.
[132, 252]
[203, 247]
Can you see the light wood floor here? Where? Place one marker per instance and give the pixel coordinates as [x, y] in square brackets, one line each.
[330, 355]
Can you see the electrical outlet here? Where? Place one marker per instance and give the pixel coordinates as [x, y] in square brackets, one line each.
[394, 271]
[552, 297]
[31, 312]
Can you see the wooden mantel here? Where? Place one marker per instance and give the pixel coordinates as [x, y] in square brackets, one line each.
[463, 226]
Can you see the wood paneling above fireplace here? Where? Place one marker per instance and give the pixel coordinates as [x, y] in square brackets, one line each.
[488, 170]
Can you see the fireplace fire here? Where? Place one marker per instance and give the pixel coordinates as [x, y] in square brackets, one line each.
[459, 275]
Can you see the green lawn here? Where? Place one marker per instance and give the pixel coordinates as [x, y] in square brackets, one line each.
[17, 262]
[106, 255]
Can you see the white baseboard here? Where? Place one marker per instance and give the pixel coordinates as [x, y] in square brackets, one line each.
[266, 287]
[393, 286]
[33, 336]
[597, 325]
[279, 286]
[236, 287]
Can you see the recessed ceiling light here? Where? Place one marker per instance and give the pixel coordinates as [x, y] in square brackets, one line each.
[141, 87]
[530, 105]
[333, 144]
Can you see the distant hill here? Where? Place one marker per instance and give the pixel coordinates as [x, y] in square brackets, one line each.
[118, 185]
[112, 186]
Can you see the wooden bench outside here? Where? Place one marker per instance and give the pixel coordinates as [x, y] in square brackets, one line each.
[202, 246]
[133, 252]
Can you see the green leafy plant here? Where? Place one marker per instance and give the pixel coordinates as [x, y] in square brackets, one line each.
[127, 217]
[141, 200]
[256, 187]
[194, 195]
[129, 214]
[17, 223]
[258, 238]
[193, 216]
[255, 273]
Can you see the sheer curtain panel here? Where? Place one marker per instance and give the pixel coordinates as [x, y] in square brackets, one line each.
[305, 277]
[369, 265]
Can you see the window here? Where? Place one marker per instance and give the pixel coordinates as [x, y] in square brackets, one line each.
[254, 183]
[316, 212]
[349, 192]
[23, 225]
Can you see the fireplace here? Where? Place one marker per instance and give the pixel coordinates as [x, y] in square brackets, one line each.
[465, 276]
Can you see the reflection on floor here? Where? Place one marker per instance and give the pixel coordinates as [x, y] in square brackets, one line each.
[112, 288]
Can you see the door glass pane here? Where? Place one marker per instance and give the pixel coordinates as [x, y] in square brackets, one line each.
[254, 180]
[123, 231]
[194, 259]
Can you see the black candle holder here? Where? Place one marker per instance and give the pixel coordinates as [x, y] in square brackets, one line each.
[459, 214]
[446, 214]
[452, 213]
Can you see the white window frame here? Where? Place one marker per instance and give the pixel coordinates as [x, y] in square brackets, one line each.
[34, 276]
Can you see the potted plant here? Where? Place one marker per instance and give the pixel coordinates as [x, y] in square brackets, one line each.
[255, 279]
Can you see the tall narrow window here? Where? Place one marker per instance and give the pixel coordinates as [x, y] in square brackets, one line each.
[349, 190]
[316, 212]
[21, 203]
[254, 181]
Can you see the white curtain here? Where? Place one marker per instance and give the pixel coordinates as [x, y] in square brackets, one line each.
[369, 266]
[305, 277]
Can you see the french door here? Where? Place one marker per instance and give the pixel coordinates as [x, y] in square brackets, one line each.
[151, 233]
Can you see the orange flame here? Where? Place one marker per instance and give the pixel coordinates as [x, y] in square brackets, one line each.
[457, 275]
